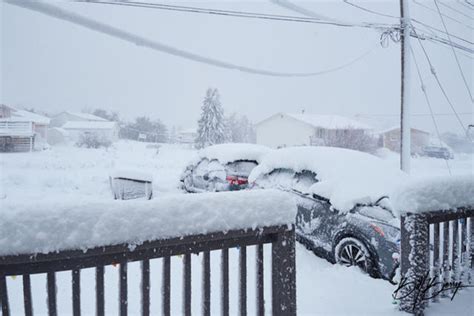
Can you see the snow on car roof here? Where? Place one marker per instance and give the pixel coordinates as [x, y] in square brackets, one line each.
[435, 194]
[231, 152]
[346, 177]
[50, 225]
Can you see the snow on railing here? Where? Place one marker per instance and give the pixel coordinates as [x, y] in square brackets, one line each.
[48, 237]
[15, 128]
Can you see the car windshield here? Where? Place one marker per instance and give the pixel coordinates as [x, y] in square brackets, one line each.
[288, 179]
[241, 167]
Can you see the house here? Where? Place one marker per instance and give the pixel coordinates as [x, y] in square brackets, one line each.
[390, 138]
[22, 130]
[104, 129]
[71, 125]
[287, 129]
[64, 117]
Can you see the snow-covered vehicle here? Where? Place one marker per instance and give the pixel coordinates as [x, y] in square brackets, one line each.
[437, 152]
[344, 213]
[223, 167]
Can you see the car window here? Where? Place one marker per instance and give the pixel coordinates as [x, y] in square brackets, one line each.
[240, 168]
[376, 212]
[303, 180]
[216, 170]
[201, 168]
[278, 178]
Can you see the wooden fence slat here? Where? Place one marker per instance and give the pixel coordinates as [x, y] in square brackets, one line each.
[436, 266]
[455, 257]
[284, 274]
[187, 285]
[99, 291]
[146, 287]
[446, 251]
[206, 274]
[470, 250]
[4, 296]
[260, 281]
[51, 285]
[76, 292]
[123, 289]
[243, 281]
[464, 245]
[166, 287]
[27, 299]
[225, 282]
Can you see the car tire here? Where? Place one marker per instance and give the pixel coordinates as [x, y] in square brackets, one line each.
[350, 251]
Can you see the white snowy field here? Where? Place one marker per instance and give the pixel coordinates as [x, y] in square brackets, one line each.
[70, 173]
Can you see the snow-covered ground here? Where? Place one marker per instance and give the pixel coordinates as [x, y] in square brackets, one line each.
[70, 173]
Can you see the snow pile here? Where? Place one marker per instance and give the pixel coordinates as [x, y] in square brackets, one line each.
[52, 225]
[226, 153]
[345, 177]
[435, 194]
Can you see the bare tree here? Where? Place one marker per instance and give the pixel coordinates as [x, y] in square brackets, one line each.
[350, 138]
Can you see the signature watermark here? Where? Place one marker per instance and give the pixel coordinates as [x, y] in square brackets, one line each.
[420, 289]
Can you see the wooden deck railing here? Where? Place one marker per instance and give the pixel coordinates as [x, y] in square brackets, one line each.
[436, 256]
[283, 280]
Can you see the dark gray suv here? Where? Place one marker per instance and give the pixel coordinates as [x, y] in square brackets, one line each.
[366, 236]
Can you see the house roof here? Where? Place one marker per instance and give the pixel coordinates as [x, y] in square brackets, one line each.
[395, 127]
[86, 116]
[325, 121]
[88, 125]
[26, 116]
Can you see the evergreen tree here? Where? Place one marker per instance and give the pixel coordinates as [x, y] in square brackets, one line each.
[211, 125]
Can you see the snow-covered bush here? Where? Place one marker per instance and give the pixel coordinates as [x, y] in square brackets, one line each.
[93, 140]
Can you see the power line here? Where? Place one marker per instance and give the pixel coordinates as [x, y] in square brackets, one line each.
[240, 14]
[454, 52]
[455, 10]
[414, 20]
[447, 16]
[464, 5]
[423, 88]
[97, 26]
[433, 72]
[418, 114]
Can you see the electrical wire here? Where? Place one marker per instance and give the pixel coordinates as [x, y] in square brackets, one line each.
[433, 72]
[413, 20]
[455, 10]
[56, 12]
[240, 14]
[464, 5]
[423, 88]
[447, 16]
[454, 52]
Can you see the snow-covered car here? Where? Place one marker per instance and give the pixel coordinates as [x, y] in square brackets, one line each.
[223, 167]
[344, 213]
[437, 152]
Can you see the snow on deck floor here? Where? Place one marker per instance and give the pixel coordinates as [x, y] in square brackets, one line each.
[70, 172]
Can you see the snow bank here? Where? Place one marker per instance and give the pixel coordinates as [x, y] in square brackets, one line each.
[346, 177]
[226, 153]
[435, 193]
[52, 225]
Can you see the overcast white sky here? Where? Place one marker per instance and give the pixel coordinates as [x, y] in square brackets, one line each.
[53, 65]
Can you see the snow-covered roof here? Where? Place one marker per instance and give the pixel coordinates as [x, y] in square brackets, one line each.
[89, 125]
[346, 177]
[435, 194]
[27, 116]
[326, 121]
[226, 153]
[55, 224]
[395, 127]
[86, 116]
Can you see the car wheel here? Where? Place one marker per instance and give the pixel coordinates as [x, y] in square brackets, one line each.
[352, 252]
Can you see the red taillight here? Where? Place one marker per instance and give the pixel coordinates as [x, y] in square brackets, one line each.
[378, 229]
[236, 180]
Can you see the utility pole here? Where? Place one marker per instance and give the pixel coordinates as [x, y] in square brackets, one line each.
[405, 130]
